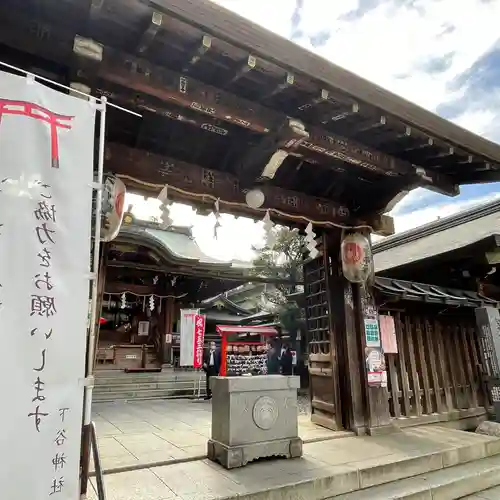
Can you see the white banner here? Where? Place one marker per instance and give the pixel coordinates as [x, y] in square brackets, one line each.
[188, 317]
[46, 165]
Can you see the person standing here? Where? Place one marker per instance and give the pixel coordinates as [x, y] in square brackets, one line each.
[211, 365]
[287, 361]
[273, 359]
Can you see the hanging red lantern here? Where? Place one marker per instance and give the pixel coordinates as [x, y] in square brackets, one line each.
[357, 259]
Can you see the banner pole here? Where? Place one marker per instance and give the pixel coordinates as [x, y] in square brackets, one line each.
[83, 95]
[91, 347]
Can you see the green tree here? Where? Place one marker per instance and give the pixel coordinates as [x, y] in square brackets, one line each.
[282, 259]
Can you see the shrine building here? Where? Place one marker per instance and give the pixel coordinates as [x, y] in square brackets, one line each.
[236, 119]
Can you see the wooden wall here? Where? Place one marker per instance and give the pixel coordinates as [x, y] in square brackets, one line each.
[438, 365]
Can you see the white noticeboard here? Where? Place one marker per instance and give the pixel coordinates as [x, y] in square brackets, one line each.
[46, 174]
[187, 336]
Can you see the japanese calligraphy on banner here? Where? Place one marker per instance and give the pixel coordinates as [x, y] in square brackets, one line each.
[46, 171]
[188, 318]
[199, 339]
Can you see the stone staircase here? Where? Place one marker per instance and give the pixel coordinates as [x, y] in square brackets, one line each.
[423, 463]
[472, 467]
[119, 386]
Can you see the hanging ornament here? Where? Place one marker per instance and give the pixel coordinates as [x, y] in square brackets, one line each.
[173, 281]
[151, 303]
[123, 304]
[357, 258]
[155, 280]
[268, 229]
[165, 220]
[217, 224]
[310, 241]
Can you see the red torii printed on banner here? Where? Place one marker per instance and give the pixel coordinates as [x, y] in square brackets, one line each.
[31, 110]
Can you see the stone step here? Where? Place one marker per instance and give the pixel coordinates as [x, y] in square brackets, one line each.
[445, 464]
[446, 484]
[489, 494]
[166, 385]
[401, 465]
[126, 378]
[143, 394]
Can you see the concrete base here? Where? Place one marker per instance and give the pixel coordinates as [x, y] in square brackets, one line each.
[382, 430]
[231, 457]
[254, 417]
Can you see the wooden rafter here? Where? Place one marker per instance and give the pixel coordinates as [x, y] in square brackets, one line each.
[242, 70]
[198, 52]
[169, 86]
[150, 33]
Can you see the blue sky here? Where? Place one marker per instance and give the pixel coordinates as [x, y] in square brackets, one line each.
[441, 56]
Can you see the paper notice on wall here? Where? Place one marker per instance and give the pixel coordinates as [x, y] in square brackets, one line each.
[375, 365]
[388, 334]
[372, 332]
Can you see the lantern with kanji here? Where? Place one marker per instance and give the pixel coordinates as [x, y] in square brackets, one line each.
[113, 200]
[357, 258]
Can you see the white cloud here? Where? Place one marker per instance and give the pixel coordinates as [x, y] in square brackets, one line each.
[432, 213]
[394, 39]
[273, 15]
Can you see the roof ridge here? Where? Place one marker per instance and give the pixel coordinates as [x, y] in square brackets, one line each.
[473, 213]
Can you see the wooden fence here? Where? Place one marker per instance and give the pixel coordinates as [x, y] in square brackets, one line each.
[437, 368]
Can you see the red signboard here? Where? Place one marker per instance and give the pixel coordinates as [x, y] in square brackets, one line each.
[199, 338]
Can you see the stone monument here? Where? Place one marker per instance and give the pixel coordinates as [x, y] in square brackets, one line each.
[254, 417]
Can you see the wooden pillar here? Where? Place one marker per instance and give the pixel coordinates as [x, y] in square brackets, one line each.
[169, 316]
[378, 414]
[322, 345]
[351, 353]
[341, 396]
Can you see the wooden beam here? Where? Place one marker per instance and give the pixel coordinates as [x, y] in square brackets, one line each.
[372, 126]
[198, 53]
[96, 8]
[243, 69]
[147, 172]
[204, 273]
[262, 161]
[242, 33]
[169, 86]
[150, 33]
[288, 82]
[323, 97]
[492, 175]
[142, 76]
[342, 115]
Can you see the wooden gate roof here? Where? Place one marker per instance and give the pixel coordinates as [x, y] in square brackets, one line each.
[227, 105]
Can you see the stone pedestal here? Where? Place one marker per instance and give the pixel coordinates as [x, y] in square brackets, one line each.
[254, 417]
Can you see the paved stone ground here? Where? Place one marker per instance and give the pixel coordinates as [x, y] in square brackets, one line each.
[145, 432]
[332, 466]
[491, 494]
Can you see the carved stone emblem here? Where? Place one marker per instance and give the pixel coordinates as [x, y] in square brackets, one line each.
[265, 412]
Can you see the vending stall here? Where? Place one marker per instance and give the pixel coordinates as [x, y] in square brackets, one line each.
[244, 349]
